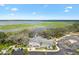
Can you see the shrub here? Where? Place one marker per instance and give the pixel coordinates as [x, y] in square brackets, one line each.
[25, 51]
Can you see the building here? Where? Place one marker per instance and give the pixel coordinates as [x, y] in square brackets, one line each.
[40, 42]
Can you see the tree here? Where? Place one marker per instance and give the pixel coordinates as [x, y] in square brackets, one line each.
[54, 47]
[45, 34]
[74, 27]
[3, 35]
[58, 32]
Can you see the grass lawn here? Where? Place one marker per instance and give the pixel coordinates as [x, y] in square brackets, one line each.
[4, 46]
[40, 48]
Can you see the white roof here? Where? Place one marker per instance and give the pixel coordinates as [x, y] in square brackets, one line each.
[38, 39]
[34, 44]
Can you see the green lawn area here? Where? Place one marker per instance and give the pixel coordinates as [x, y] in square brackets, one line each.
[77, 50]
[40, 48]
[4, 46]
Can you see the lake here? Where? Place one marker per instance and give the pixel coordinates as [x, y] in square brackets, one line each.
[9, 22]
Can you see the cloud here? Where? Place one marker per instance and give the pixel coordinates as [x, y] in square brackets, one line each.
[67, 9]
[14, 9]
[34, 13]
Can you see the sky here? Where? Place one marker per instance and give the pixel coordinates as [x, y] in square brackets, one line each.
[39, 11]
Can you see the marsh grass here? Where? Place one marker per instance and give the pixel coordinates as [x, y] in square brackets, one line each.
[45, 24]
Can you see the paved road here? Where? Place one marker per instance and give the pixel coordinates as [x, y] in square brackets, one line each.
[46, 53]
[61, 52]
